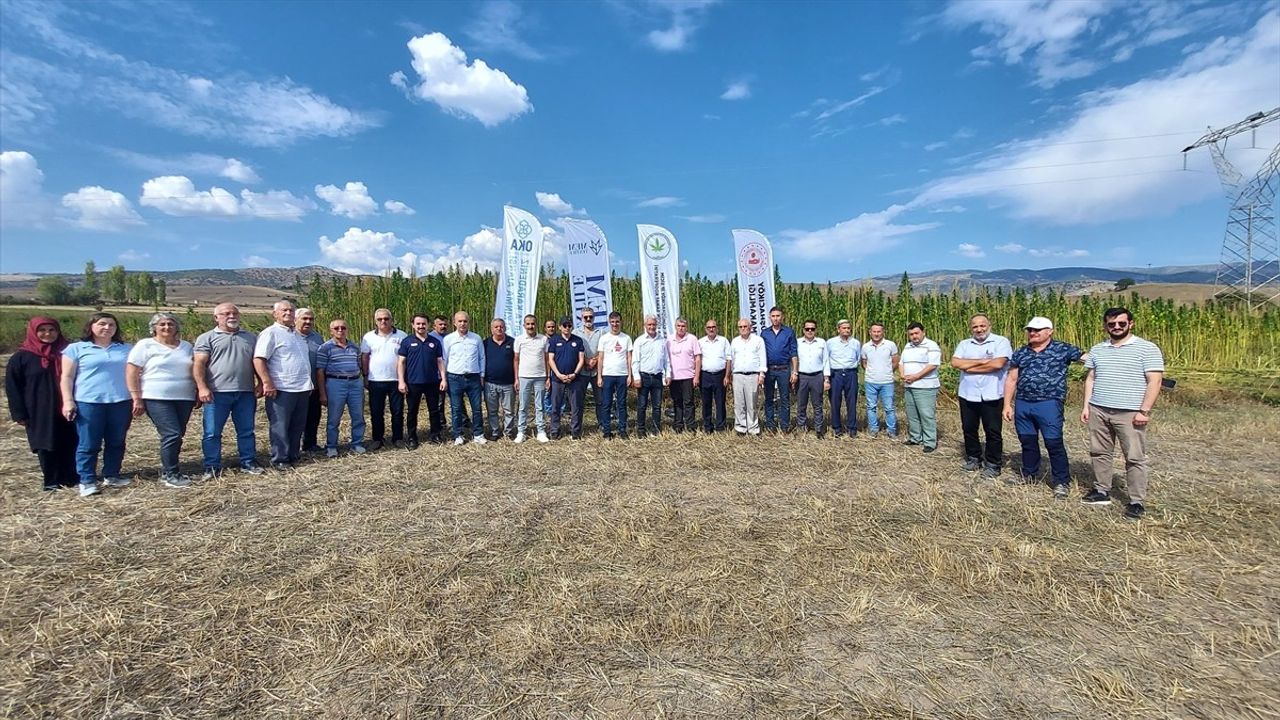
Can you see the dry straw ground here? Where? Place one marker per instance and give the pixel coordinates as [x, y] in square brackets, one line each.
[673, 577]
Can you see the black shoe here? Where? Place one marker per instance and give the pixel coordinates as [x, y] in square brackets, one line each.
[1096, 497]
[1135, 511]
[624, 436]
[822, 436]
[911, 442]
[281, 466]
[991, 472]
[839, 434]
[930, 449]
[312, 449]
[412, 444]
[608, 436]
[971, 464]
[373, 445]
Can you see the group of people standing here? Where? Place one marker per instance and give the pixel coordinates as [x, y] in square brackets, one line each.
[78, 399]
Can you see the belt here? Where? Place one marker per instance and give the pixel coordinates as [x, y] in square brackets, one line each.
[811, 374]
[747, 372]
[713, 372]
[844, 369]
[782, 366]
[327, 376]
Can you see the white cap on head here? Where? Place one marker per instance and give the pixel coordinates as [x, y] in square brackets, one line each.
[1039, 323]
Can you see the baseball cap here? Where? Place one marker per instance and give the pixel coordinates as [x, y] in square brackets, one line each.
[565, 320]
[1039, 323]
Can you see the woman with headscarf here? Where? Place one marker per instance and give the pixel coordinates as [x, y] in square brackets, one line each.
[95, 397]
[161, 384]
[31, 383]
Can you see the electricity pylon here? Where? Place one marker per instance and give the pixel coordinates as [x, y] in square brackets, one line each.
[1249, 268]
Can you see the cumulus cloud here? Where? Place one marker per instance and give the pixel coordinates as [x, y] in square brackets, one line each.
[970, 250]
[460, 88]
[351, 201]
[863, 235]
[22, 199]
[97, 208]
[737, 90]
[396, 207]
[367, 251]
[255, 261]
[177, 195]
[552, 202]
[274, 205]
[191, 164]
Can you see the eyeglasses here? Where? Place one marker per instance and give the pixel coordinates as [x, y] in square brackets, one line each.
[588, 317]
[711, 327]
[338, 327]
[382, 319]
[811, 329]
[1118, 324]
[1035, 330]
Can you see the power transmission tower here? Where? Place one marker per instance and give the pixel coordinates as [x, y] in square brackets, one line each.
[1249, 268]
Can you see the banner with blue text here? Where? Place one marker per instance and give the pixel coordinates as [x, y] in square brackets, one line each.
[589, 284]
[521, 267]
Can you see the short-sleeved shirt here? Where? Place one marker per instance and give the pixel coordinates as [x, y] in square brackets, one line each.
[463, 354]
[420, 356]
[780, 346]
[682, 354]
[915, 358]
[99, 371]
[590, 339]
[613, 351]
[166, 371]
[499, 359]
[564, 353]
[1043, 375]
[879, 357]
[715, 353]
[286, 354]
[335, 359]
[977, 387]
[531, 353]
[1120, 372]
[384, 354]
[844, 354]
[230, 367]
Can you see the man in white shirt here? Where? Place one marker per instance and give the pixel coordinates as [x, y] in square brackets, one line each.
[843, 355]
[713, 379]
[531, 376]
[879, 360]
[464, 376]
[919, 368]
[613, 354]
[650, 372]
[983, 361]
[814, 378]
[380, 360]
[282, 361]
[747, 363]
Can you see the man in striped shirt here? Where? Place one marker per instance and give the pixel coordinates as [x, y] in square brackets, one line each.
[1123, 381]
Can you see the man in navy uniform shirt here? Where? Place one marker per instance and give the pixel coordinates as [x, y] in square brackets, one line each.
[566, 355]
[420, 371]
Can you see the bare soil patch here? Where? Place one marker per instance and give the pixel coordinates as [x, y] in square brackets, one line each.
[676, 576]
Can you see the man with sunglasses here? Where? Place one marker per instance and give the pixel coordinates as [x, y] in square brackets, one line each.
[814, 378]
[1034, 392]
[340, 385]
[590, 336]
[1120, 389]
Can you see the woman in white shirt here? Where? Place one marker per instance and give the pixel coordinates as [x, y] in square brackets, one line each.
[161, 385]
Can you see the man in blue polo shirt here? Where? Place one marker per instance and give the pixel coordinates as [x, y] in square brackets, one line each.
[420, 369]
[1034, 392]
[340, 386]
[566, 355]
[780, 350]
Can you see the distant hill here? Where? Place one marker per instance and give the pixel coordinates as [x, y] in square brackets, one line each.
[1074, 280]
[265, 277]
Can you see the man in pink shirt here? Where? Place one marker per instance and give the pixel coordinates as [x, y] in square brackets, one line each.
[685, 356]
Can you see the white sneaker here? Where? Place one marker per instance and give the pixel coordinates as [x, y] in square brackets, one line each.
[87, 489]
[542, 437]
[479, 440]
[519, 437]
[458, 441]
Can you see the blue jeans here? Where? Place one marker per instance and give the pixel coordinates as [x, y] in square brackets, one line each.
[777, 399]
[613, 404]
[170, 418]
[877, 393]
[467, 386]
[102, 427]
[1045, 418]
[241, 408]
[344, 394]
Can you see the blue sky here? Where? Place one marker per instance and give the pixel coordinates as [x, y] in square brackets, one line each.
[862, 138]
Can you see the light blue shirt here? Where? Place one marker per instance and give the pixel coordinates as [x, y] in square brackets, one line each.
[812, 356]
[977, 387]
[463, 354]
[99, 371]
[843, 355]
[649, 355]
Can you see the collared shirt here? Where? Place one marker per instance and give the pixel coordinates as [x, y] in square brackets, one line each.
[681, 355]
[314, 341]
[813, 356]
[230, 365]
[613, 350]
[531, 353]
[914, 359]
[99, 371]
[564, 353]
[335, 359]
[977, 387]
[649, 356]
[590, 339]
[1120, 372]
[463, 354]
[879, 359]
[1043, 375]
[748, 356]
[780, 346]
[286, 353]
[843, 354]
[715, 353]
[499, 360]
[420, 356]
[383, 351]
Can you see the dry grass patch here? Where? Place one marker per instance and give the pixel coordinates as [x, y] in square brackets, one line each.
[681, 576]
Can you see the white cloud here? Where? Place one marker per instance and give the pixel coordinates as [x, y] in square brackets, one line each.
[500, 27]
[1116, 156]
[662, 201]
[737, 90]
[850, 104]
[396, 207]
[22, 199]
[1010, 248]
[857, 237]
[683, 19]
[969, 250]
[935, 146]
[177, 195]
[238, 171]
[552, 202]
[274, 205]
[133, 256]
[948, 209]
[191, 164]
[351, 201]
[255, 261]
[1057, 252]
[709, 218]
[889, 120]
[460, 88]
[100, 209]
[365, 251]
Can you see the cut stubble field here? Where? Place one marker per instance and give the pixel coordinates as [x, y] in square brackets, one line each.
[679, 576]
